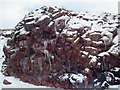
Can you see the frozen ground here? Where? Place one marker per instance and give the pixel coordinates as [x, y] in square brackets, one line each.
[16, 83]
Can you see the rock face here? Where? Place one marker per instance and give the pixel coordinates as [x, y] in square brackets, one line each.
[59, 48]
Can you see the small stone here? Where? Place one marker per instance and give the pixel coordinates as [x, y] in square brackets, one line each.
[6, 82]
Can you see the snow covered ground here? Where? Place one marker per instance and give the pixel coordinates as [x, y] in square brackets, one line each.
[16, 83]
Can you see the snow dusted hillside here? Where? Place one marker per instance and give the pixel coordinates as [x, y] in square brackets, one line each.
[58, 48]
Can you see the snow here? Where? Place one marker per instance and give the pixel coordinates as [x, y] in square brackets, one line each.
[70, 33]
[94, 59]
[63, 18]
[109, 78]
[75, 23]
[84, 52]
[114, 86]
[43, 17]
[22, 31]
[64, 77]
[94, 33]
[98, 83]
[115, 69]
[29, 18]
[32, 22]
[115, 40]
[16, 83]
[77, 78]
[51, 23]
[89, 47]
[7, 32]
[73, 78]
[87, 39]
[105, 40]
[55, 14]
[103, 54]
[108, 34]
[76, 40]
[98, 42]
[114, 49]
[87, 69]
[104, 83]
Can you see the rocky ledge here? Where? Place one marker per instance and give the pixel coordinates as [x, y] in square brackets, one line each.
[59, 48]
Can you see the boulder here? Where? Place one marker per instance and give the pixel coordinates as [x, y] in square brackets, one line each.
[52, 42]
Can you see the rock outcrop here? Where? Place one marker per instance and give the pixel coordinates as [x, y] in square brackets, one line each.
[59, 48]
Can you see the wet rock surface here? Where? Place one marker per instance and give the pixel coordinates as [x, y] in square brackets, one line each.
[55, 47]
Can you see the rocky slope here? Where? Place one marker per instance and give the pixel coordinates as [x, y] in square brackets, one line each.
[59, 48]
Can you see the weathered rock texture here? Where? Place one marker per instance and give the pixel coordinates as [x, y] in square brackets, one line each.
[60, 48]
